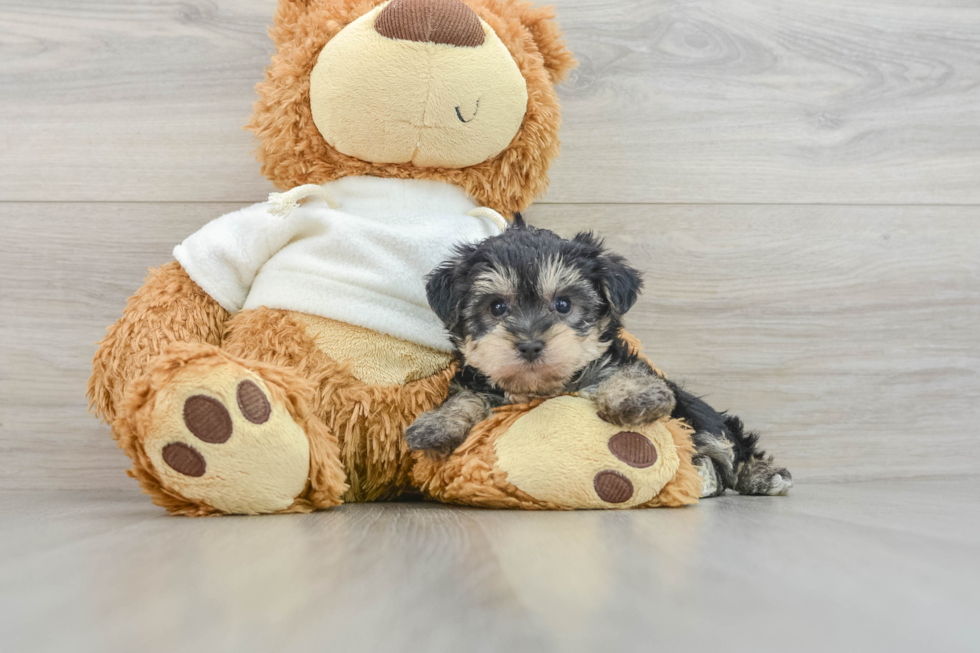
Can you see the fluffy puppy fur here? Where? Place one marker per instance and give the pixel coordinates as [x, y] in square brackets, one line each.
[533, 315]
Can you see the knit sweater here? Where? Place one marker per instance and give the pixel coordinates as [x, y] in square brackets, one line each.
[363, 263]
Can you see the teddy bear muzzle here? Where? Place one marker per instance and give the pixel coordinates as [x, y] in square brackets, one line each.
[420, 82]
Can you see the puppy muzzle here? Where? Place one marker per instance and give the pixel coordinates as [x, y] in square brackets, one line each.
[530, 350]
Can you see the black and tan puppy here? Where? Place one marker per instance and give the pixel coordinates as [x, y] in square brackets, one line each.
[534, 315]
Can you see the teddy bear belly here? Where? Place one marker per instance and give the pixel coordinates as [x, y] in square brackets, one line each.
[367, 414]
[401, 379]
[375, 358]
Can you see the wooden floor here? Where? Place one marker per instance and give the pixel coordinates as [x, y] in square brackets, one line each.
[798, 180]
[887, 566]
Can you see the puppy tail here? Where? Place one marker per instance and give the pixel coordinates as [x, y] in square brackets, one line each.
[518, 222]
[755, 473]
[744, 443]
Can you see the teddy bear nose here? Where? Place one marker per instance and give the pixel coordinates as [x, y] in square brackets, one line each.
[431, 21]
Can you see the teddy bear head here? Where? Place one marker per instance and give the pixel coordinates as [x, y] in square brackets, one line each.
[455, 90]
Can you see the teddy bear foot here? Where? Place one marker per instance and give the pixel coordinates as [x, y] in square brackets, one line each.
[209, 433]
[561, 455]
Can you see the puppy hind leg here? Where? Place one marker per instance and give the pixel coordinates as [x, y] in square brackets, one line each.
[760, 476]
[715, 462]
[755, 473]
[711, 485]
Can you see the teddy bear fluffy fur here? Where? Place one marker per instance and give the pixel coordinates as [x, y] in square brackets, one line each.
[172, 332]
[293, 152]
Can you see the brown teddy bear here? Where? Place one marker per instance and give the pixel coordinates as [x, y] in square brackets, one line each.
[274, 366]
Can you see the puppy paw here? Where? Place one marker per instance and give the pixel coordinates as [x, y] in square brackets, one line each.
[780, 483]
[436, 433]
[760, 477]
[625, 400]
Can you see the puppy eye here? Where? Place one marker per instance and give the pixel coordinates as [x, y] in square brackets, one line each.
[498, 308]
[563, 305]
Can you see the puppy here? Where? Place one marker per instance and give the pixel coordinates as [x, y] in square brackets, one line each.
[532, 315]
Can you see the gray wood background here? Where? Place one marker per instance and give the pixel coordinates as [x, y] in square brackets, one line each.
[800, 181]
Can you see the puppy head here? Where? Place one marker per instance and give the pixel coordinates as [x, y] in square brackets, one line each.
[529, 309]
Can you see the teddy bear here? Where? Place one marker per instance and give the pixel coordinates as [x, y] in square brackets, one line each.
[275, 364]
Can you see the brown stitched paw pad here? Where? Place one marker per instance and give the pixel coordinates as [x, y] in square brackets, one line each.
[633, 448]
[184, 459]
[207, 419]
[220, 436]
[613, 487]
[253, 403]
[563, 453]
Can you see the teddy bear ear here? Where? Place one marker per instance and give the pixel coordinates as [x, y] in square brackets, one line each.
[558, 59]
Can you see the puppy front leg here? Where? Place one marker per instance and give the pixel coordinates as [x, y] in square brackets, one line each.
[444, 428]
[633, 395]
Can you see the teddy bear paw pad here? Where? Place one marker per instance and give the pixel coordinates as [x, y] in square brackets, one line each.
[564, 453]
[207, 419]
[185, 459]
[223, 441]
[634, 449]
[252, 402]
[613, 487]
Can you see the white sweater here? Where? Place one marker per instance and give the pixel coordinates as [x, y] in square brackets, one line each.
[363, 264]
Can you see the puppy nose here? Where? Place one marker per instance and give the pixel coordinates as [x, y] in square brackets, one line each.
[431, 21]
[530, 349]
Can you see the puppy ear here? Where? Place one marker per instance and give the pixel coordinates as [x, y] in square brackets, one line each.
[441, 288]
[439, 291]
[558, 59]
[621, 283]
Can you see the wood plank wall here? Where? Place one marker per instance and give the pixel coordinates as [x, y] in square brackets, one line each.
[800, 182]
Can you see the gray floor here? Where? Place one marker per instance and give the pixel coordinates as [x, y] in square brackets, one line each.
[886, 565]
[798, 181]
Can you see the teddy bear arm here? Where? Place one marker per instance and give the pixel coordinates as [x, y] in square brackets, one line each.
[168, 308]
